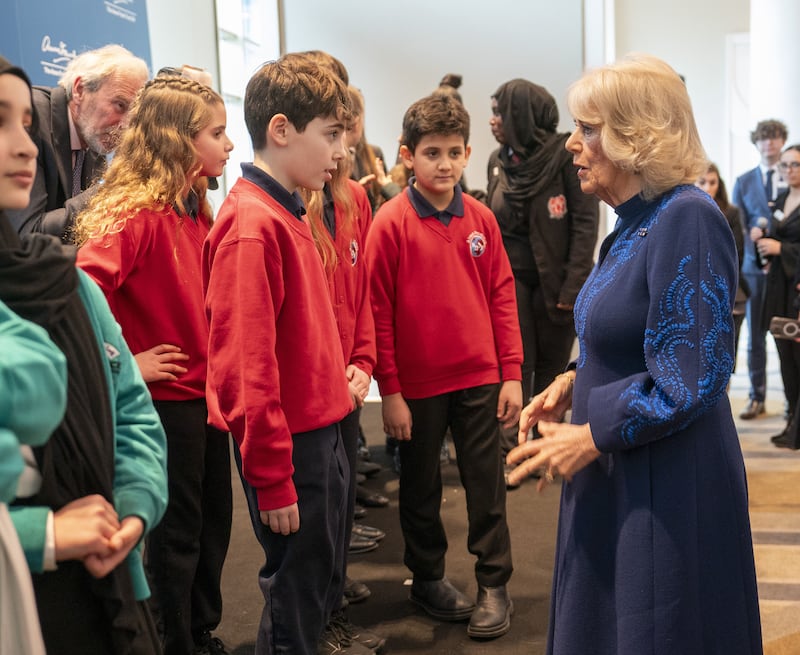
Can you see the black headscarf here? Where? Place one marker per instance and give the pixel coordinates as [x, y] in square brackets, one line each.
[530, 121]
[39, 282]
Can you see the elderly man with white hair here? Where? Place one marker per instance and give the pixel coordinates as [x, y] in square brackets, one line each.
[80, 122]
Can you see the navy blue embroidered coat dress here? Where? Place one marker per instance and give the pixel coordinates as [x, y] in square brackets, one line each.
[654, 552]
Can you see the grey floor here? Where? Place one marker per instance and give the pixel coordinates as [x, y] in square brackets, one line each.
[773, 476]
[532, 518]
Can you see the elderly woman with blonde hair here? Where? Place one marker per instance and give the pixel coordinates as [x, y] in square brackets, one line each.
[654, 551]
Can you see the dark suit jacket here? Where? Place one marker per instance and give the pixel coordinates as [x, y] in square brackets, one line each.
[749, 197]
[52, 207]
[781, 293]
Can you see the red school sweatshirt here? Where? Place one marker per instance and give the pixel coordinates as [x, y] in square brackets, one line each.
[443, 300]
[348, 284]
[150, 274]
[275, 362]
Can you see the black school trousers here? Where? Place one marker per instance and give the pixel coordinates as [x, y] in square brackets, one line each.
[471, 415]
[185, 552]
[302, 579]
[349, 426]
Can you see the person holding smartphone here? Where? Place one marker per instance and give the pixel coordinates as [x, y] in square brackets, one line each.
[782, 248]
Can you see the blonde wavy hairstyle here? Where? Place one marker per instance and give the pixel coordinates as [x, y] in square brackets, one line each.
[645, 118]
[155, 158]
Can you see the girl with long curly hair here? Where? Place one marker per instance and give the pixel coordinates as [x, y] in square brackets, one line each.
[141, 239]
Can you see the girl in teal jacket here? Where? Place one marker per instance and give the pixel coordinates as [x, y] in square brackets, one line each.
[33, 393]
[96, 487]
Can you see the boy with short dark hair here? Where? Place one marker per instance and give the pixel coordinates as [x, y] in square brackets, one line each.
[449, 355]
[276, 374]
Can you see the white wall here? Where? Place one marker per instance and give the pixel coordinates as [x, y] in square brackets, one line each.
[775, 50]
[183, 32]
[396, 52]
[691, 36]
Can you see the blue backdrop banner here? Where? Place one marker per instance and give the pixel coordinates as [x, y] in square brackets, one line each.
[43, 36]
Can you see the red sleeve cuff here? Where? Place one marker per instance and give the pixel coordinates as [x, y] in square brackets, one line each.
[511, 372]
[391, 385]
[276, 496]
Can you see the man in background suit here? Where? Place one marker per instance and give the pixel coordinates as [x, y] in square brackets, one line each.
[754, 193]
[80, 122]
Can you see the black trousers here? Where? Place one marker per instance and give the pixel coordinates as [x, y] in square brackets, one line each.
[302, 579]
[471, 416]
[349, 426]
[789, 352]
[789, 355]
[185, 552]
[74, 621]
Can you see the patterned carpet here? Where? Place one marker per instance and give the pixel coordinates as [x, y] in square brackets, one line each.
[774, 481]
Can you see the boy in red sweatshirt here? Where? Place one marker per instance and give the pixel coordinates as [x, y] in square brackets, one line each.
[449, 355]
[276, 373]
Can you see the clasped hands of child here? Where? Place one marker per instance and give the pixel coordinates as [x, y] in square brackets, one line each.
[88, 529]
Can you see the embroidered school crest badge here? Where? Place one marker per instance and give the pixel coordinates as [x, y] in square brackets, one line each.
[477, 244]
[353, 252]
[557, 206]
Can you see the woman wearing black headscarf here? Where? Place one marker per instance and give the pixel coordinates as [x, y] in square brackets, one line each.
[99, 483]
[549, 227]
[33, 381]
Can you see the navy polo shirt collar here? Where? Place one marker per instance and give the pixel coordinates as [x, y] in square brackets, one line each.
[425, 209]
[192, 205]
[292, 202]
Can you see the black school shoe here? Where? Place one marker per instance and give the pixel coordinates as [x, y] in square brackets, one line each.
[368, 532]
[369, 498]
[355, 591]
[367, 468]
[361, 544]
[441, 599]
[492, 615]
[335, 642]
[208, 645]
[355, 634]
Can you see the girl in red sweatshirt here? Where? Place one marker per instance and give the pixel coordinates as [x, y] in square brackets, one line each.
[141, 240]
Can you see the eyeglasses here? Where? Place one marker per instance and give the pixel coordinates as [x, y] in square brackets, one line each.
[785, 166]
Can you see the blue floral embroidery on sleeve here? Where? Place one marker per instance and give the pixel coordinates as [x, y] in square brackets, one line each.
[718, 358]
[677, 320]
